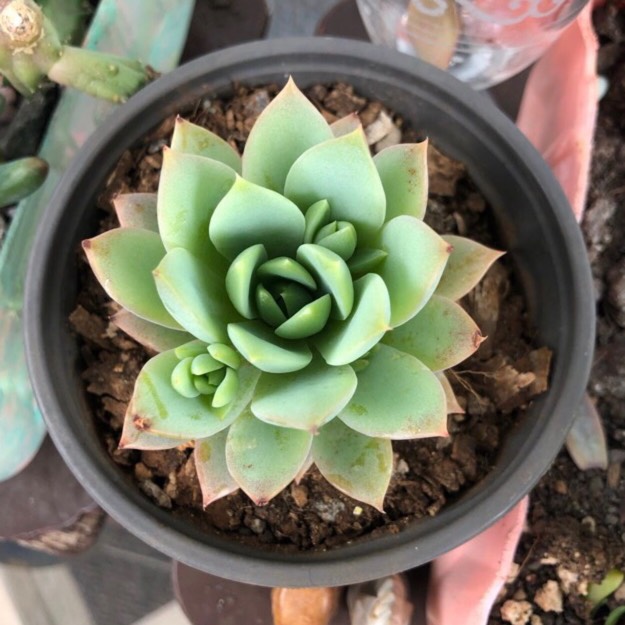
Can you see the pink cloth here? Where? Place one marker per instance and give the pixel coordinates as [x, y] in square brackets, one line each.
[464, 582]
[558, 115]
[559, 108]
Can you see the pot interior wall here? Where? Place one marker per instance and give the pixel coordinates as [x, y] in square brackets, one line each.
[531, 213]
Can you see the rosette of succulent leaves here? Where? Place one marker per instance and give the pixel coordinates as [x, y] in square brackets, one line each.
[301, 309]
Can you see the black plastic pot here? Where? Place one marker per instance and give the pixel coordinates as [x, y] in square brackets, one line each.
[536, 224]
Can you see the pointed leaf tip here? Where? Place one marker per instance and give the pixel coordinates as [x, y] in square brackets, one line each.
[264, 459]
[355, 464]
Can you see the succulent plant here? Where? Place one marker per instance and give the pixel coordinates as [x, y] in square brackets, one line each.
[31, 48]
[302, 310]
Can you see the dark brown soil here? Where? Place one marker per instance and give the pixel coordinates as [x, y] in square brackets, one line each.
[494, 386]
[577, 519]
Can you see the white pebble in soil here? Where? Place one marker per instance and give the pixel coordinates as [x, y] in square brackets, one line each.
[516, 612]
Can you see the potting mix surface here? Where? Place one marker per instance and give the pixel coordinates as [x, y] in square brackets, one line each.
[495, 386]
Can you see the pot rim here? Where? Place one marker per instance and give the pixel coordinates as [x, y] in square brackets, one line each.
[365, 559]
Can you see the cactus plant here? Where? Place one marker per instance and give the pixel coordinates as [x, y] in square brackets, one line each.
[20, 178]
[32, 48]
[302, 310]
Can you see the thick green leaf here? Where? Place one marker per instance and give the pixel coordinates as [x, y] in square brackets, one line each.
[397, 397]
[135, 438]
[227, 389]
[308, 320]
[250, 214]
[123, 260]
[404, 174]
[345, 125]
[268, 309]
[357, 465]
[453, 407]
[342, 172]
[190, 187]
[136, 210]
[260, 346]
[316, 216]
[288, 127]
[441, 335]
[241, 279]
[341, 241]
[192, 139]
[211, 468]
[365, 260]
[468, 262]
[414, 265]
[345, 341]
[306, 399]
[331, 275]
[287, 269]
[194, 295]
[263, 458]
[150, 335]
[156, 408]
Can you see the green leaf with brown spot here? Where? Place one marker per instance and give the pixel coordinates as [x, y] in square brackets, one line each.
[397, 397]
[123, 260]
[264, 458]
[136, 210]
[404, 175]
[414, 265]
[189, 189]
[288, 127]
[193, 139]
[468, 262]
[306, 399]
[156, 408]
[441, 335]
[150, 335]
[215, 480]
[357, 465]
